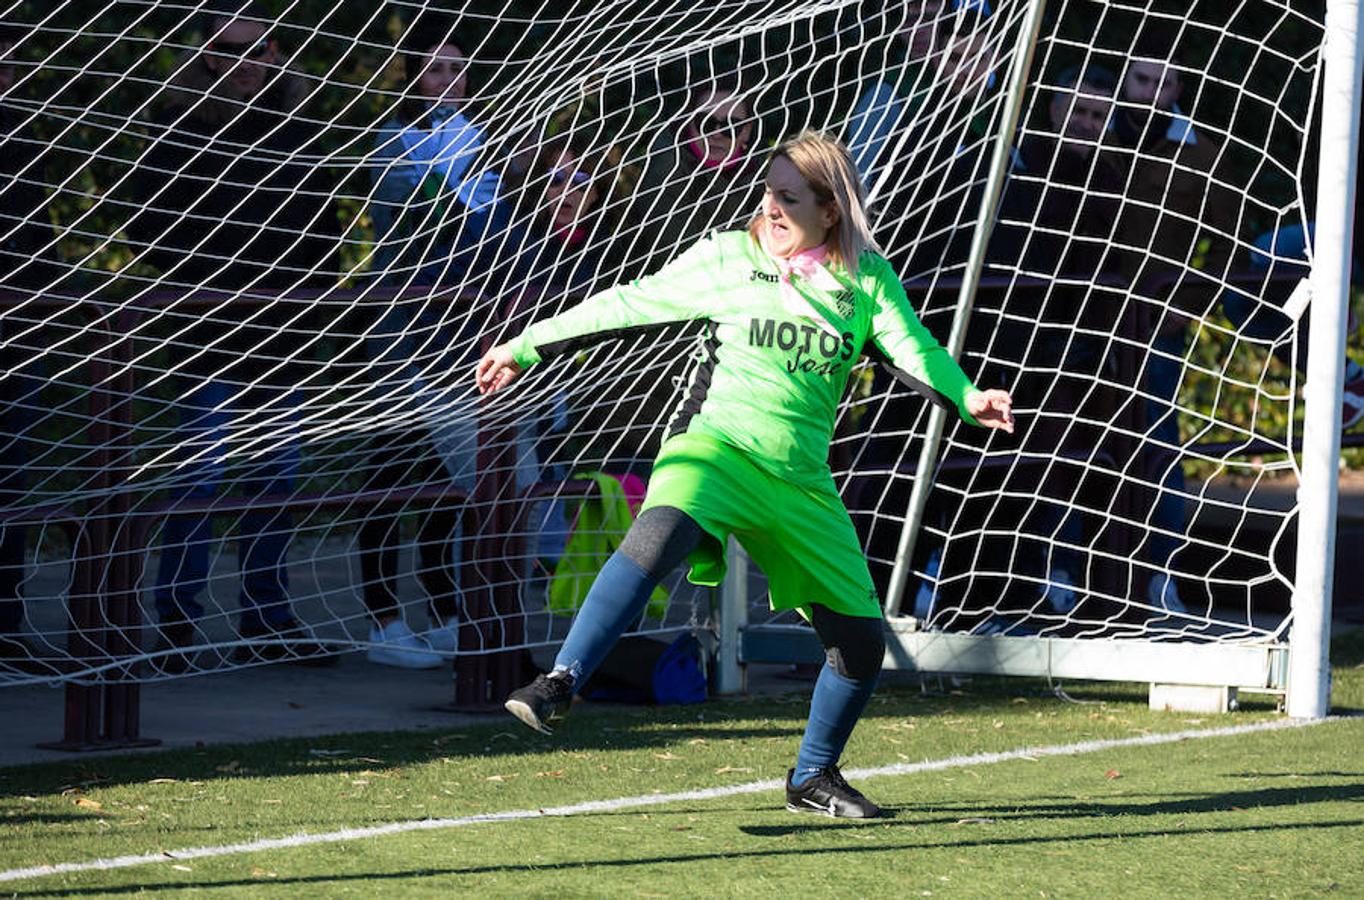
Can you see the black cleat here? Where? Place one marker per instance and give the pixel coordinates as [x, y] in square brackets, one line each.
[547, 697]
[828, 794]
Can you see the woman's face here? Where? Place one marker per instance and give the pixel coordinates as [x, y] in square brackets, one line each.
[445, 77]
[793, 219]
[723, 124]
[569, 191]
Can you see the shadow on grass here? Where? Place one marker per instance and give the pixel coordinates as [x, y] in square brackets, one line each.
[681, 859]
[592, 727]
[1243, 801]
[1347, 648]
[597, 728]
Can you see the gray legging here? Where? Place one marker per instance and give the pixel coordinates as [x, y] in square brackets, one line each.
[662, 538]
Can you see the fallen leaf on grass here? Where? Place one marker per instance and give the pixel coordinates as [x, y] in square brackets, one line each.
[162, 781]
[258, 872]
[180, 868]
[695, 741]
[974, 820]
[725, 770]
[558, 773]
[668, 755]
[87, 803]
[228, 767]
[1112, 773]
[500, 777]
[370, 759]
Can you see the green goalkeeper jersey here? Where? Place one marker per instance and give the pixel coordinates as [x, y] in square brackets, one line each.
[772, 372]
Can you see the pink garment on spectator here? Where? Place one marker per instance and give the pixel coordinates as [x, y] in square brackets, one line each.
[729, 162]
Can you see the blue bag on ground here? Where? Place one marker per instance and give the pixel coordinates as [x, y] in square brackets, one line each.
[643, 670]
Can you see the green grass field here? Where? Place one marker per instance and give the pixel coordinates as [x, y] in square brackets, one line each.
[1271, 813]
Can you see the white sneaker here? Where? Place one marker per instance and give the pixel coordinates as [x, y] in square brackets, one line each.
[444, 639]
[395, 645]
[1060, 591]
[1162, 594]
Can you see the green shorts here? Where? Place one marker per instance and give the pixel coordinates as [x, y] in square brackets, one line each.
[800, 535]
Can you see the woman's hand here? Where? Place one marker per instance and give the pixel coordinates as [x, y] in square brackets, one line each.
[993, 409]
[496, 370]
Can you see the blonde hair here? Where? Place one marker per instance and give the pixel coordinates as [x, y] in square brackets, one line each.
[827, 166]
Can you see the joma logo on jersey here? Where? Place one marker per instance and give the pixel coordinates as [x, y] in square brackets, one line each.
[847, 306]
[803, 339]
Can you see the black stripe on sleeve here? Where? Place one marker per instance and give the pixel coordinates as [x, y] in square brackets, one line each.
[927, 391]
[700, 384]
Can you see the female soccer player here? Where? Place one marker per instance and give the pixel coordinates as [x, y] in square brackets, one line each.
[790, 305]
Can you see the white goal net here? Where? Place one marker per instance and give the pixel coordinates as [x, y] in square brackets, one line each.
[252, 251]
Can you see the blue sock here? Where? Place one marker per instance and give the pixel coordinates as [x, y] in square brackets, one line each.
[617, 598]
[834, 710]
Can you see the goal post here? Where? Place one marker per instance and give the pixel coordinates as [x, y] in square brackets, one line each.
[1309, 673]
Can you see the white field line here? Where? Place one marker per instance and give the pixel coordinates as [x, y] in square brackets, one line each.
[594, 806]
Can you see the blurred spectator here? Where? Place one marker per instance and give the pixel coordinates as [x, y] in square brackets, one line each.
[434, 202]
[931, 197]
[226, 200]
[1279, 257]
[888, 107]
[28, 261]
[927, 202]
[571, 201]
[699, 176]
[569, 205]
[1177, 225]
[27, 267]
[414, 362]
[1055, 223]
[541, 236]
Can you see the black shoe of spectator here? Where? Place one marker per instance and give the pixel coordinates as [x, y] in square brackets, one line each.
[287, 643]
[169, 655]
[828, 794]
[18, 654]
